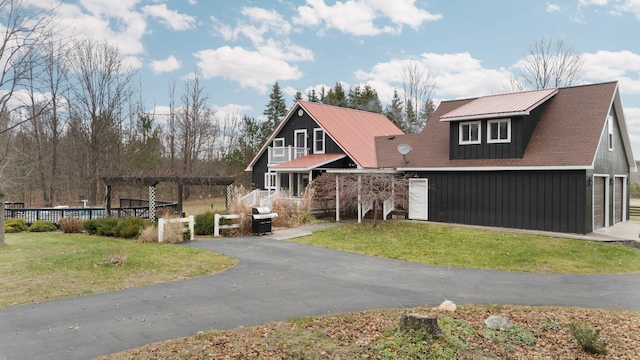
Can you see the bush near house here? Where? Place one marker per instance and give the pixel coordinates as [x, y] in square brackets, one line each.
[204, 223]
[128, 227]
[15, 225]
[42, 226]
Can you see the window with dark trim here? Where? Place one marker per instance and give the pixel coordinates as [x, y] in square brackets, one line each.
[470, 133]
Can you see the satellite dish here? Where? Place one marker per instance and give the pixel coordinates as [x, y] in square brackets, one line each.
[404, 149]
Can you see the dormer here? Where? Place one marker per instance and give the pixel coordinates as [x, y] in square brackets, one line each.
[495, 127]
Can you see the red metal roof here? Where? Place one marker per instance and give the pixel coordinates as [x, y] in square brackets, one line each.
[353, 130]
[308, 162]
[514, 104]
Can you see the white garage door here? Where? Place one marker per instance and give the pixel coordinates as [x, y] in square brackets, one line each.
[419, 199]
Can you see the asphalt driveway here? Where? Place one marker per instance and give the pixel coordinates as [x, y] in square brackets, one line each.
[277, 280]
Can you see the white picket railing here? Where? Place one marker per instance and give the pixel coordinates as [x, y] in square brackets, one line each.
[217, 226]
[162, 221]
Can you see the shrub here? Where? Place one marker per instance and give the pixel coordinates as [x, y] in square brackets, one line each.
[588, 339]
[15, 225]
[204, 223]
[173, 233]
[42, 226]
[108, 226]
[129, 227]
[148, 235]
[70, 224]
[91, 226]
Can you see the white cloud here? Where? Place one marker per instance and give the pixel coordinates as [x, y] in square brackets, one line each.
[254, 26]
[248, 68]
[631, 6]
[167, 65]
[455, 76]
[133, 62]
[623, 66]
[553, 8]
[192, 2]
[358, 17]
[170, 18]
[94, 18]
[230, 110]
[268, 61]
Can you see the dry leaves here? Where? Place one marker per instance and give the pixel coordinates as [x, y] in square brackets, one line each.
[354, 335]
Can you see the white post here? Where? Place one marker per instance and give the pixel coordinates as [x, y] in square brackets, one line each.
[192, 223]
[359, 199]
[337, 199]
[216, 225]
[160, 230]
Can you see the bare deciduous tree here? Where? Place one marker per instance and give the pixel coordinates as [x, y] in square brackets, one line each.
[194, 124]
[102, 88]
[418, 85]
[358, 189]
[21, 32]
[550, 63]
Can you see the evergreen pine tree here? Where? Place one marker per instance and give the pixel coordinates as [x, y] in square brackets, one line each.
[276, 109]
[394, 111]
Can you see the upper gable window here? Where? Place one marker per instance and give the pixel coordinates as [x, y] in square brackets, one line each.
[610, 133]
[278, 147]
[499, 131]
[318, 141]
[470, 133]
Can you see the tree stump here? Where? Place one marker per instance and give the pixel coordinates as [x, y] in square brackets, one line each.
[413, 322]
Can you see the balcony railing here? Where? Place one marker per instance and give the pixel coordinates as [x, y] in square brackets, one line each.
[279, 155]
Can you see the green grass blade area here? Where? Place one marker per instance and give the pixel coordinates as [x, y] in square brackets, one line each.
[36, 267]
[477, 248]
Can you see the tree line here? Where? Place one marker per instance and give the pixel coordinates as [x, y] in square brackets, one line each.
[71, 112]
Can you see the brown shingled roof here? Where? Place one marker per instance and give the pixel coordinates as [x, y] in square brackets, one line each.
[567, 134]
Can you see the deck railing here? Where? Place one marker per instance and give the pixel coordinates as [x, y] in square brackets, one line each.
[85, 213]
[279, 155]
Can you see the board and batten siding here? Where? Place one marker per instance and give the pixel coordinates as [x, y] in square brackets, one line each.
[522, 128]
[612, 164]
[294, 122]
[536, 200]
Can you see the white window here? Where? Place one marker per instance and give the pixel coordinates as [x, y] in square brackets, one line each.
[300, 142]
[610, 132]
[318, 141]
[278, 147]
[270, 181]
[499, 131]
[470, 133]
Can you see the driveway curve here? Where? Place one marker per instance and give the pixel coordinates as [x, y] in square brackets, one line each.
[276, 280]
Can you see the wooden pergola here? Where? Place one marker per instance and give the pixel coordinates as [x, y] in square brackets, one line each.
[152, 181]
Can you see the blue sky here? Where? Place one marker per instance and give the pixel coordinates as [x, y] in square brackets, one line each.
[240, 48]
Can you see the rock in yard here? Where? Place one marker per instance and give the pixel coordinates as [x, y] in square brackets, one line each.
[497, 322]
[448, 305]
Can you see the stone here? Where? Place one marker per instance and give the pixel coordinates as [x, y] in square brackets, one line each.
[497, 322]
[448, 305]
[417, 322]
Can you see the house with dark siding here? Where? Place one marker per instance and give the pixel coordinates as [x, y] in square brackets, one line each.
[554, 160]
[314, 138]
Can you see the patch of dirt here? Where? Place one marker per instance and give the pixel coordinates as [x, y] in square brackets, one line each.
[355, 335]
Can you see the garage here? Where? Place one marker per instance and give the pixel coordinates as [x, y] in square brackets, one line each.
[599, 202]
[618, 202]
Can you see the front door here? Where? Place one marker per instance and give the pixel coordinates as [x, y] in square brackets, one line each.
[303, 182]
[419, 199]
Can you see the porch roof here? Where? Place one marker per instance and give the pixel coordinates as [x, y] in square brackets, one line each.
[307, 163]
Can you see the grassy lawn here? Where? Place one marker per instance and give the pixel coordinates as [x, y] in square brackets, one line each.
[36, 267]
[475, 248]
